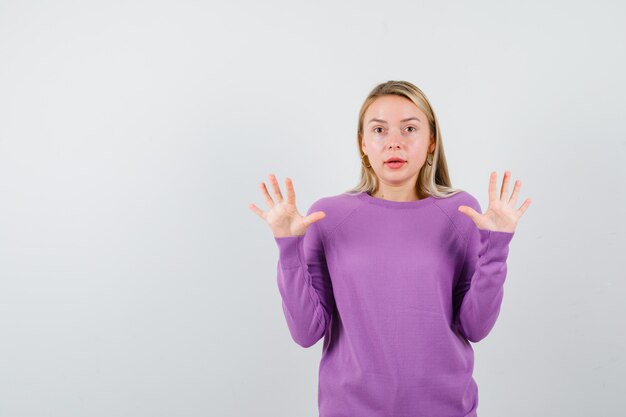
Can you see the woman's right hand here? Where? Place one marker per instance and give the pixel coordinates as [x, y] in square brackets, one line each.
[282, 216]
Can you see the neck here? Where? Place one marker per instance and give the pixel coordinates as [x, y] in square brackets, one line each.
[397, 195]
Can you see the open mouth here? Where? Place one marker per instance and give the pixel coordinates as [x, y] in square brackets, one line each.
[395, 163]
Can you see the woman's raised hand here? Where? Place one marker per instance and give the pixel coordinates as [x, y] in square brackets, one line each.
[501, 215]
[282, 216]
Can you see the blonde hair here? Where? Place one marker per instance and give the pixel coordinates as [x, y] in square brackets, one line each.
[433, 180]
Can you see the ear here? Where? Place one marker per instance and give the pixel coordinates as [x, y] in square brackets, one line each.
[363, 146]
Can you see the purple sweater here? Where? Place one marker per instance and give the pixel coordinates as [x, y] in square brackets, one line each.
[397, 290]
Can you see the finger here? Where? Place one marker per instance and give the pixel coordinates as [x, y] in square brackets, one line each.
[256, 211]
[493, 178]
[266, 195]
[504, 190]
[277, 194]
[291, 193]
[313, 217]
[516, 189]
[473, 214]
[524, 207]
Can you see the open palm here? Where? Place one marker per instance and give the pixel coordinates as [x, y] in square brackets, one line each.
[283, 216]
[501, 215]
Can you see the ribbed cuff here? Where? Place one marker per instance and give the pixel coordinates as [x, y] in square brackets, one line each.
[495, 242]
[290, 250]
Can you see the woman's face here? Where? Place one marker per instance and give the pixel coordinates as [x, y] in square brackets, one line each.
[395, 127]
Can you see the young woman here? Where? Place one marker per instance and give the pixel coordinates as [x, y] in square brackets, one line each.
[398, 274]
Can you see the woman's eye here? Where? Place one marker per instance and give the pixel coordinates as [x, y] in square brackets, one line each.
[411, 127]
[376, 129]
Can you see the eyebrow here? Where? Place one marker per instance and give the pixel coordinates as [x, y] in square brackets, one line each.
[403, 120]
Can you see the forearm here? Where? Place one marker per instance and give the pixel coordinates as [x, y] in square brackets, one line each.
[481, 303]
[301, 302]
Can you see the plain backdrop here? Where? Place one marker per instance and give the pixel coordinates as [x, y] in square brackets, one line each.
[134, 279]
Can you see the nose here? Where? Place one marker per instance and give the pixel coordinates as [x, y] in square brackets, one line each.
[395, 138]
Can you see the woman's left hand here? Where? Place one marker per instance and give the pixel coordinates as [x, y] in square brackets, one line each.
[501, 215]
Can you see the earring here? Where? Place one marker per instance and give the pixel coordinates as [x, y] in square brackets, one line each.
[368, 162]
[429, 161]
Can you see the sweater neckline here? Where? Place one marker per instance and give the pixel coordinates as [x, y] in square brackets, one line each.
[364, 196]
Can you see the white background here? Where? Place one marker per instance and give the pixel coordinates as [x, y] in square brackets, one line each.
[135, 281]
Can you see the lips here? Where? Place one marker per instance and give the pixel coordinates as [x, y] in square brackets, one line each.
[395, 164]
[395, 159]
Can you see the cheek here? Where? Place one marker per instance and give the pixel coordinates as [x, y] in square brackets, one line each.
[375, 146]
[417, 147]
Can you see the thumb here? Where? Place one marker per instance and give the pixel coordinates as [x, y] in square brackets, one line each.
[313, 217]
[470, 212]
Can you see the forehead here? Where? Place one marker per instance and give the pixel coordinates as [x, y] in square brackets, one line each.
[393, 108]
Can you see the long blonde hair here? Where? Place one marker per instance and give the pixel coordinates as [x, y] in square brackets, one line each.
[433, 180]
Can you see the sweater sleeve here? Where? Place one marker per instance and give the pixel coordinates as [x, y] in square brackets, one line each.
[304, 284]
[480, 289]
